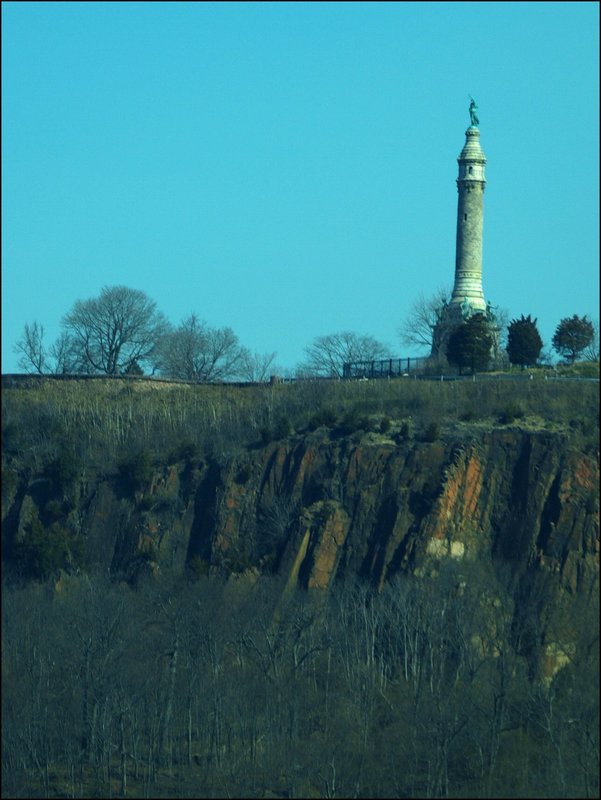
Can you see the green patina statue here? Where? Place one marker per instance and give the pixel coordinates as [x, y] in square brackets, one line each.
[490, 311]
[474, 112]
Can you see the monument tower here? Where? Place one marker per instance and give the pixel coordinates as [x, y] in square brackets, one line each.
[470, 208]
[467, 297]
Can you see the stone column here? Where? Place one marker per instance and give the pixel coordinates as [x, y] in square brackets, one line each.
[470, 207]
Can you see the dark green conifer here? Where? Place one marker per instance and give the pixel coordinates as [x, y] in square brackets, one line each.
[523, 341]
[470, 344]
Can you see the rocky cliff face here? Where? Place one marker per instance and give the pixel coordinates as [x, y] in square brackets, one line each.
[315, 507]
[523, 501]
[375, 507]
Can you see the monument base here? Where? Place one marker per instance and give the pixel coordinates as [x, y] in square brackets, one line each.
[449, 316]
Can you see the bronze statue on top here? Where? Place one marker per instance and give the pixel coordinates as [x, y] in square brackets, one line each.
[474, 112]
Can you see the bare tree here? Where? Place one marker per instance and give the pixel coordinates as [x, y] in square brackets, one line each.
[111, 332]
[31, 348]
[591, 353]
[418, 326]
[328, 354]
[255, 367]
[501, 322]
[68, 358]
[196, 352]
[431, 320]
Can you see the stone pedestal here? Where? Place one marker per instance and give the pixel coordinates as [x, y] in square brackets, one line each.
[453, 314]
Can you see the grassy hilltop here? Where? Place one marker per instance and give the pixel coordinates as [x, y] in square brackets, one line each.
[104, 420]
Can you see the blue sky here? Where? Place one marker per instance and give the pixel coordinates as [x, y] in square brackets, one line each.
[288, 169]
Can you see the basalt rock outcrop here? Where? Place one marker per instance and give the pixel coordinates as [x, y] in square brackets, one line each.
[375, 507]
[315, 507]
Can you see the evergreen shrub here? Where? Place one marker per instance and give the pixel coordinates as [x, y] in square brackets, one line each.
[324, 417]
[353, 420]
[244, 473]
[64, 469]
[137, 470]
[432, 432]
[45, 549]
[385, 425]
[510, 413]
[405, 431]
[185, 450]
[198, 566]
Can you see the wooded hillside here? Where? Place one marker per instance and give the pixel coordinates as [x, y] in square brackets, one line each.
[319, 589]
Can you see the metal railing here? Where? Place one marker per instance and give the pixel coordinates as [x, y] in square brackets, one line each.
[383, 368]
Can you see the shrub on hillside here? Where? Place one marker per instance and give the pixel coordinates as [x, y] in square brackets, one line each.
[185, 450]
[385, 425]
[404, 432]
[510, 413]
[283, 427]
[45, 549]
[64, 469]
[198, 567]
[353, 420]
[137, 470]
[324, 417]
[432, 432]
[280, 430]
[244, 473]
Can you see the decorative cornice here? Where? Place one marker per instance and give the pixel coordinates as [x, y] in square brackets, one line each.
[463, 182]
